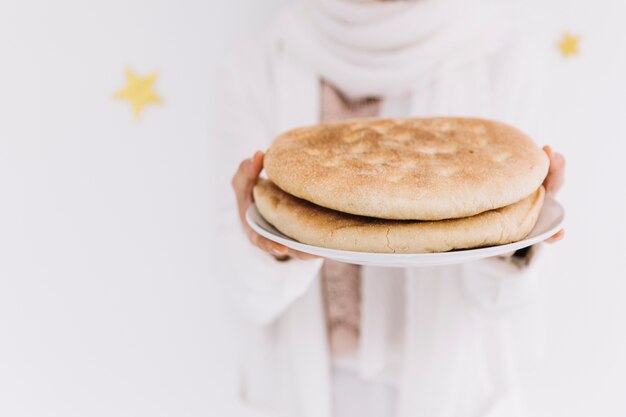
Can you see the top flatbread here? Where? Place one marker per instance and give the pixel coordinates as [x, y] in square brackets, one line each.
[422, 169]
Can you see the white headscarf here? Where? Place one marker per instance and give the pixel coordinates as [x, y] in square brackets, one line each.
[385, 48]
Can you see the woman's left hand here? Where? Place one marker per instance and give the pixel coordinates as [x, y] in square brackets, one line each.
[554, 181]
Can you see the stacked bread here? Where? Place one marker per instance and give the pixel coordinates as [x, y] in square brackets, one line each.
[403, 185]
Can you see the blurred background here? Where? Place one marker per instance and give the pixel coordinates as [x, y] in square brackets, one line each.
[108, 303]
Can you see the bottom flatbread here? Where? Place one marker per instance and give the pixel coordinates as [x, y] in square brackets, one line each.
[319, 226]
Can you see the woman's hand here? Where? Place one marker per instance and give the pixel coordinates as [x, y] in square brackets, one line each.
[243, 182]
[554, 181]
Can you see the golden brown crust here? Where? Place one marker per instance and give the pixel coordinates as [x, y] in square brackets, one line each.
[426, 169]
[319, 226]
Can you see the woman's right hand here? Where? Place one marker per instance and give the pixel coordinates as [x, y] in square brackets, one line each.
[243, 182]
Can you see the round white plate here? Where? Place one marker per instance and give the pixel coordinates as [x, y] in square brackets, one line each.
[549, 222]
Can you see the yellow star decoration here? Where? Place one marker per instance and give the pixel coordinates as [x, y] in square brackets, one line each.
[139, 91]
[569, 45]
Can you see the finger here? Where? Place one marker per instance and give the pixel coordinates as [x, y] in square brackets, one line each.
[557, 236]
[243, 182]
[239, 178]
[559, 160]
[553, 184]
[254, 168]
[279, 250]
[245, 179]
[555, 158]
[256, 165]
[268, 246]
[556, 172]
[507, 255]
[548, 180]
[248, 170]
[557, 164]
[556, 175]
[556, 184]
[559, 169]
[548, 150]
[274, 248]
[302, 255]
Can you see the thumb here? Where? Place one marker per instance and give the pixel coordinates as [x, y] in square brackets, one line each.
[257, 163]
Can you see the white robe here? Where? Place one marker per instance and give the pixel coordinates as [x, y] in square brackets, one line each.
[452, 339]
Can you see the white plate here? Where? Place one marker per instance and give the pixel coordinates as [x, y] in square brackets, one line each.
[549, 222]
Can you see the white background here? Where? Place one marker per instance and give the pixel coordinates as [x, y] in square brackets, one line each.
[107, 302]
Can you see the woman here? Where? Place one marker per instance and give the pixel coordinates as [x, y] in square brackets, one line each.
[329, 339]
